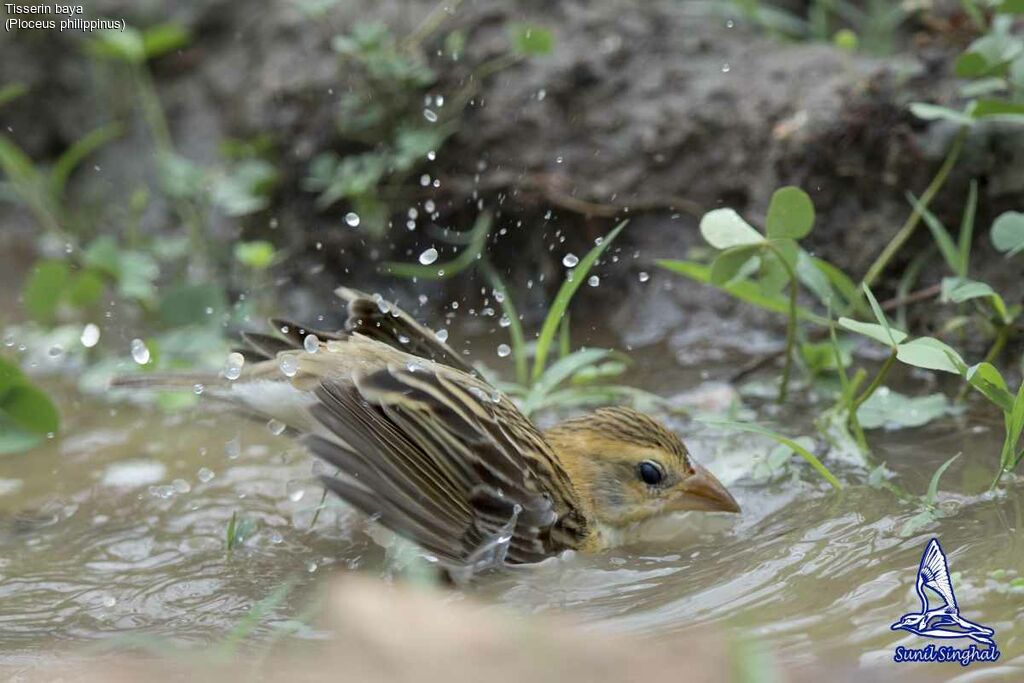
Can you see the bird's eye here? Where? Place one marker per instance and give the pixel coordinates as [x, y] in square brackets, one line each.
[650, 472]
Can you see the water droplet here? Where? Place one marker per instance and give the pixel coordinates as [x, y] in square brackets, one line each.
[430, 115]
[729, 23]
[352, 219]
[593, 281]
[233, 366]
[541, 94]
[140, 354]
[56, 351]
[503, 350]
[570, 260]
[108, 601]
[643, 276]
[181, 486]
[198, 388]
[504, 321]
[429, 206]
[429, 256]
[90, 336]
[425, 180]
[9, 340]
[431, 155]
[442, 335]
[311, 343]
[276, 427]
[233, 448]
[311, 566]
[205, 475]
[726, 68]
[289, 365]
[296, 495]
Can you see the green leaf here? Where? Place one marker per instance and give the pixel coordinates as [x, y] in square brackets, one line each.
[820, 357]
[772, 275]
[742, 290]
[814, 278]
[887, 336]
[258, 254]
[724, 228]
[126, 46]
[85, 289]
[987, 379]
[783, 440]
[1008, 232]
[11, 92]
[931, 354]
[565, 294]
[530, 40]
[933, 485]
[137, 275]
[790, 214]
[1000, 109]
[893, 410]
[45, 289]
[10, 374]
[104, 255]
[727, 264]
[192, 305]
[947, 248]
[879, 314]
[163, 38]
[29, 409]
[843, 283]
[1010, 7]
[959, 289]
[933, 112]
[988, 56]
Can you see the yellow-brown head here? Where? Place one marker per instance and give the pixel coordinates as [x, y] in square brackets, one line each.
[628, 468]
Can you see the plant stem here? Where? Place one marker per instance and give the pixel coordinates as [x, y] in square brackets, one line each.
[1002, 337]
[875, 383]
[787, 367]
[905, 232]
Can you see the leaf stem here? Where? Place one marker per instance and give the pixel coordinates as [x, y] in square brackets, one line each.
[787, 367]
[875, 383]
[905, 232]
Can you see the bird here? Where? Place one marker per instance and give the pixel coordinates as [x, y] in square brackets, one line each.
[933, 573]
[425, 446]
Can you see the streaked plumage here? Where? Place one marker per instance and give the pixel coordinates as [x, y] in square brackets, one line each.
[440, 456]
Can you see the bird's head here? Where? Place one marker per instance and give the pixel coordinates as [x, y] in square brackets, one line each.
[909, 621]
[629, 468]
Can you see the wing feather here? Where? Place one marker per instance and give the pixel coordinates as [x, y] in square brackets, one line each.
[427, 445]
[935, 572]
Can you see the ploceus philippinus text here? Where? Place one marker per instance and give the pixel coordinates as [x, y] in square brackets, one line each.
[432, 451]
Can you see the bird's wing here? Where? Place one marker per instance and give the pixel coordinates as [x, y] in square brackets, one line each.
[374, 317]
[935, 572]
[442, 458]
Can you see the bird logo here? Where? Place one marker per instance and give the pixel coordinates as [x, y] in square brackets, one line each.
[943, 621]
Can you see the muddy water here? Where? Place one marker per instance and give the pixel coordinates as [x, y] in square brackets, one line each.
[119, 527]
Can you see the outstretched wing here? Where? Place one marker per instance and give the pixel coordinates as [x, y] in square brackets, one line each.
[374, 317]
[369, 315]
[442, 458]
[934, 572]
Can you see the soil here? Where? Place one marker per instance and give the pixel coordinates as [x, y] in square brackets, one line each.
[655, 112]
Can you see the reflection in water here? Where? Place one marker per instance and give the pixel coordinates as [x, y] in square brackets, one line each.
[120, 527]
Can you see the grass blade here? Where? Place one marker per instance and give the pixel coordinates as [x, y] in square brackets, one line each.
[967, 229]
[515, 326]
[564, 297]
[73, 155]
[442, 271]
[933, 485]
[813, 461]
[941, 236]
[744, 290]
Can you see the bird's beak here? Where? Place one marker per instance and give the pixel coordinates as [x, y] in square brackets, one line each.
[702, 491]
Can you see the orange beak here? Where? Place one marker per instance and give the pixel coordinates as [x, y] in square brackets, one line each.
[702, 491]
